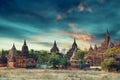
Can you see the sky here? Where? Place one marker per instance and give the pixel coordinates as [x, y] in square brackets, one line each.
[41, 22]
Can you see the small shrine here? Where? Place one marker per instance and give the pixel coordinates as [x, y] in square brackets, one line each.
[74, 61]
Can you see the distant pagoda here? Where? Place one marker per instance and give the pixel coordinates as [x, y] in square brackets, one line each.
[74, 47]
[96, 55]
[12, 56]
[25, 50]
[25, 60]
[74, 61]
[54, 48]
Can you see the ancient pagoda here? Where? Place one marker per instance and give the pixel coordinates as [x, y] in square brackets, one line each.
[12, 57]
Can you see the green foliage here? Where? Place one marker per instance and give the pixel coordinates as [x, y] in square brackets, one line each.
[108, 64]
[114, 50]
[81, 55]
[31, 51]
[43, 57]
[65, 61]
[18, 51]
[54, 59]
[5, 52]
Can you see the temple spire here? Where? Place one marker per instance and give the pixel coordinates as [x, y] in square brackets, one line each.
[55, 43]
[107, 33]
[95, 47]
[2, 53]
[13, 45]
[24, 42]
[25, 48]
[107, 39]
[74, 45]
[74, 40]
[54, 48]
[90, 47]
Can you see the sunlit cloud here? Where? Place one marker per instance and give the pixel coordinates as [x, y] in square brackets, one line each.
[41, 22]
[84, 37]
[59, 17]
[80, 36]
[81, 7]
[89, 9]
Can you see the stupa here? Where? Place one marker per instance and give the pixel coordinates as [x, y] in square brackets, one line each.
[74, 61]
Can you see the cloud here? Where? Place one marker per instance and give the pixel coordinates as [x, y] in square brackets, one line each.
[81, 7]
[89, 9]
[79, 36]
[72, 25]
[48, 44]
[59, 17]
[11, 32]
[85, 37]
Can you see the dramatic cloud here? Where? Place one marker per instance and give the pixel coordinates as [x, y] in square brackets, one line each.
[59, 17]
[81, 7]
[79, 36]
[43, 21]
[85, 37]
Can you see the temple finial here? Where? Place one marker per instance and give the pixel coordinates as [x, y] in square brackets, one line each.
[54, 42]
[13, 45]
[24, 42]
[74, 39]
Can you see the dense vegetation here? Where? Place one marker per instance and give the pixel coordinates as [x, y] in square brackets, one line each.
[112, 61]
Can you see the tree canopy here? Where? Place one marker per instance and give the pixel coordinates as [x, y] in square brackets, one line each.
[81, 54]
[43, 57]
[107, 65]
[114, 50]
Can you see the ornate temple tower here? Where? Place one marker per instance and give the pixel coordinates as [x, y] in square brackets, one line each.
[70, 52]
[25, 60]
[54, 48]
[107, 40]
[74, 61]
[90, 51]
[12, 57]
[74, 45]
[25, 49]
[12, 54]
[97, 55]
[95, 47]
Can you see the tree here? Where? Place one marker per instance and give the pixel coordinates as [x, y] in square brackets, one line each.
[31, 51]
[81, 55]
[107, 65]
[5, 52]
[114, 50]
[65, 62]
[54, 60]
[43, 57]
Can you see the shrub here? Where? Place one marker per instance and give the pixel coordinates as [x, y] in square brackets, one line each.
[108, 64]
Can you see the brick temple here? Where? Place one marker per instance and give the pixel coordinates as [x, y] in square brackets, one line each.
[96, 55]
[21, 60]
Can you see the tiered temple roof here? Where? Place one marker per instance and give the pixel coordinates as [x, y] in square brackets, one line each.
[54, 48]
[12, 54]
[74, 47]
[97, 52]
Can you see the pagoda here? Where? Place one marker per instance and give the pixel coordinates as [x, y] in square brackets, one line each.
[12, 57]
[70, 52]
[74, 61]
